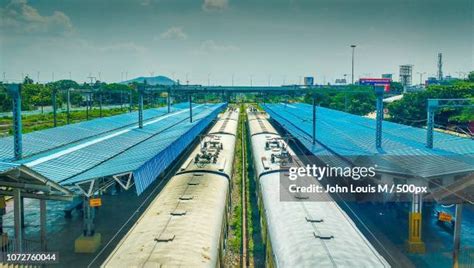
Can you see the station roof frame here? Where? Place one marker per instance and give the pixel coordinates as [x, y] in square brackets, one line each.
[31, 183]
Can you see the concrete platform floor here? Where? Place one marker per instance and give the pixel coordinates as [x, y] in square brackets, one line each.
[118, 211]
[391, 222]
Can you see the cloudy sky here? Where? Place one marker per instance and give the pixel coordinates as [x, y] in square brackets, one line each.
[272, 41]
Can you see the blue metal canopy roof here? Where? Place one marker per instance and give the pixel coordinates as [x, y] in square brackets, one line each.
[41, 141]
[347, 136]
[104, 147]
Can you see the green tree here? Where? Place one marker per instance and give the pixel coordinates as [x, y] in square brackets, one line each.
[470, 76]
[27, 80]
[64, 84]
[42, 98]
[411, 109]
[396, 87]
[358, 100]
[5, 102]
[36, 95]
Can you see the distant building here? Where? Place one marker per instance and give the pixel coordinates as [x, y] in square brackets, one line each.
[435, 81]
[341, 81]
[388, 76]
[309, 81]
[450, 78]
[406, 75]
[431, 81]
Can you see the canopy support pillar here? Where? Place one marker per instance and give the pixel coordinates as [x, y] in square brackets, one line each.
[55, 108]
[414, 243]
[314, 120]
[432, 106]
[15, 92]
[17, 215]
[43, 225]
[190, 108]
[457, 235]
[68, 106]
[379, 117]
[140, 109]
[168, 100]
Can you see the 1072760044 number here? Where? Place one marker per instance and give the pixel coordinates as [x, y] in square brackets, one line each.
[30, 257]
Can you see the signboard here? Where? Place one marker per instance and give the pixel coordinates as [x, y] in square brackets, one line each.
[443, 216]
[375, 81]
[385, 82]
[95, 202]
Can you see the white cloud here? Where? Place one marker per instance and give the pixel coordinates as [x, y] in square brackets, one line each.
[19, 17]
[174, 33]
[211, 46]
[215, 5]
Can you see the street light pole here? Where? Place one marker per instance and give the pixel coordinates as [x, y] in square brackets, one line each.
[353, 50]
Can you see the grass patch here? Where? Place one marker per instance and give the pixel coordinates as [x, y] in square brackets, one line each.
[235, 241]
[35, 122]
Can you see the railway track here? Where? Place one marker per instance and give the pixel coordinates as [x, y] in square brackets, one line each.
[245, 259]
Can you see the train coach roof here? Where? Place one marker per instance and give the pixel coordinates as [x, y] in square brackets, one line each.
[304, 231]
[181, 227]
[314, 233]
